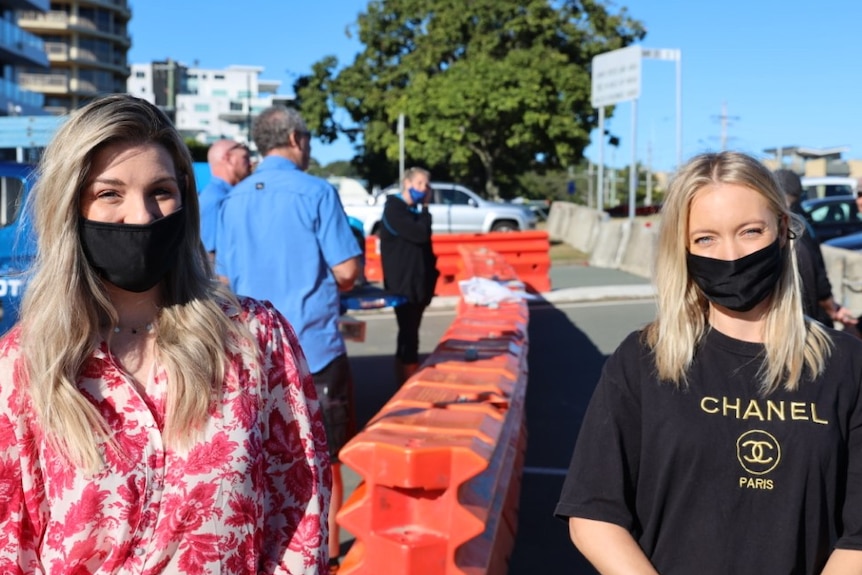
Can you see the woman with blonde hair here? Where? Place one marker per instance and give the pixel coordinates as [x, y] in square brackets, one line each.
[725, 437]
[149, 420]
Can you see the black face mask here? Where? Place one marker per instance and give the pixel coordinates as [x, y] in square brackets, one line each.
[741, 284]
[130, 256]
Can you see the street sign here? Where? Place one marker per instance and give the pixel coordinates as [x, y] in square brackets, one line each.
[616, 76]
[661, 54]
[28, 131]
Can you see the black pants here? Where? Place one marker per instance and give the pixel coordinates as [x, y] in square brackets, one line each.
[409, 316]
[334, 385]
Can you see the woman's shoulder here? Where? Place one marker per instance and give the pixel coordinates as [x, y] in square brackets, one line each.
[11, 368]
[252, 312]
[634, 346]
[632, 358]
[846, 349]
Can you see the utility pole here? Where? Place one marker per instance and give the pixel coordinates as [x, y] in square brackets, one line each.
[648, 198]
[725, 121]
[248, 105]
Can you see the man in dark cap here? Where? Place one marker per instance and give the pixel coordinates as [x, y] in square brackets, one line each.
[817, 300]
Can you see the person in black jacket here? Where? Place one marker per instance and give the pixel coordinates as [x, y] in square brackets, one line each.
[409, 263]
[817, 300]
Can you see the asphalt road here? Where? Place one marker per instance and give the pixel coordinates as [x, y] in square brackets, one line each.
[569, 342]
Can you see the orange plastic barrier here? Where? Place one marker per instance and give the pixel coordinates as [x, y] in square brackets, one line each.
[441, 462]
[526, 252]
[373, 267]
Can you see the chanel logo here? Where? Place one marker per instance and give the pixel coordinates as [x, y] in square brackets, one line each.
[758, 452]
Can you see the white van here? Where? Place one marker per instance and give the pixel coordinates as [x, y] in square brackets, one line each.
[827, 186]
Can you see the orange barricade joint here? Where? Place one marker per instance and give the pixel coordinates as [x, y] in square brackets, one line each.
[441, 462]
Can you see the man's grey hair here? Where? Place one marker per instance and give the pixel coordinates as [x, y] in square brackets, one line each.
[273, 127]
[410, 172]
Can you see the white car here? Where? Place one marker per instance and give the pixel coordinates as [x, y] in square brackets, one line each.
[828, 186]
[454, 209]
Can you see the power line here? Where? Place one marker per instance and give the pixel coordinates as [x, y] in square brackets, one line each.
[725, 122]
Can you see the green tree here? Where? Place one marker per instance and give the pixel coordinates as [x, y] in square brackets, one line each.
[491, 89]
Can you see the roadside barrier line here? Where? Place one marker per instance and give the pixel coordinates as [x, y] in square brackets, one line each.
[441, 462]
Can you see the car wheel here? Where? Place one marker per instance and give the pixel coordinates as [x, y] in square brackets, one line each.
[504, 226]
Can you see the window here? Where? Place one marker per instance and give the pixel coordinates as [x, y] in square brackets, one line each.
[452, 197]
[218, 77]
[140, 74]
[202, 107]
[11, 195]
[831, 213]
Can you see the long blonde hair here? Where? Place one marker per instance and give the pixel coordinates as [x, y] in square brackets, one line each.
[793, 343]
[65, 302]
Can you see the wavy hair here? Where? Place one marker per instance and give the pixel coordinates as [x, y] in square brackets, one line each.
[65, 302]
[793, 343]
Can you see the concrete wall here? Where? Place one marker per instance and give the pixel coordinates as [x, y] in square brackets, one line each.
[630, 245]
[611, 243]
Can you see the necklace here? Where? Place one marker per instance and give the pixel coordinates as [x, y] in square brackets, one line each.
[135, 330]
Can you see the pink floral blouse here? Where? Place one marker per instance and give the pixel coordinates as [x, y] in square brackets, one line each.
[250, 497]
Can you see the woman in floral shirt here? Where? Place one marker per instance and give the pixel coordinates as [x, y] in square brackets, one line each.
[150, 422]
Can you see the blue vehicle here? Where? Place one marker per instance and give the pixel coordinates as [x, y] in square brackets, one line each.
[17, 245]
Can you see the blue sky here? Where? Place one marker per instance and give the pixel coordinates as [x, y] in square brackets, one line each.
[787, 71]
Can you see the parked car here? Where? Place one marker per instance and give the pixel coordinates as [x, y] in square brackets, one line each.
[454, 209]
[17, 248]
[832, 217]
[828, 186]
[849, 242]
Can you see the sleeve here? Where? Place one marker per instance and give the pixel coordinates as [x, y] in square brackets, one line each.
[297, 475]
[824, 288]
[19, 535]
[601, 480]
[401, 221]
[334, 235]
[851, 512]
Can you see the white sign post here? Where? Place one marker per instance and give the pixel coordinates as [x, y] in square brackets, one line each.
[674, 55]
[616, 77]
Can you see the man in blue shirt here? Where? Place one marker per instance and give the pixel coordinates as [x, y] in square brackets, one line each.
[283, 236]
[229, 163]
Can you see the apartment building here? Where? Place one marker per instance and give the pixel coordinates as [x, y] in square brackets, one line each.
[814, 162]
[87, 42]
[19, 48]
[206, 104]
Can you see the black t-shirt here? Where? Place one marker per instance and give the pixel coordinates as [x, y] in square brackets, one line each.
[716, 478]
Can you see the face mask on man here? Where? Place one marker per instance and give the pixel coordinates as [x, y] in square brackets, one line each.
[416, 196]
[130, 256]
[740, 284]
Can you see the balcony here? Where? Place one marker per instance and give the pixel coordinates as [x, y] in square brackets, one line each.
[61, 53]
[20, 48]
[120, 7]
[44, 83]
[57, 21]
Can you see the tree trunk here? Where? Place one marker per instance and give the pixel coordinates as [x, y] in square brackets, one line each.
[491, 190]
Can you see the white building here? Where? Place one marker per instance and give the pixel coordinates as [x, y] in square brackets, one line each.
[207, 104]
